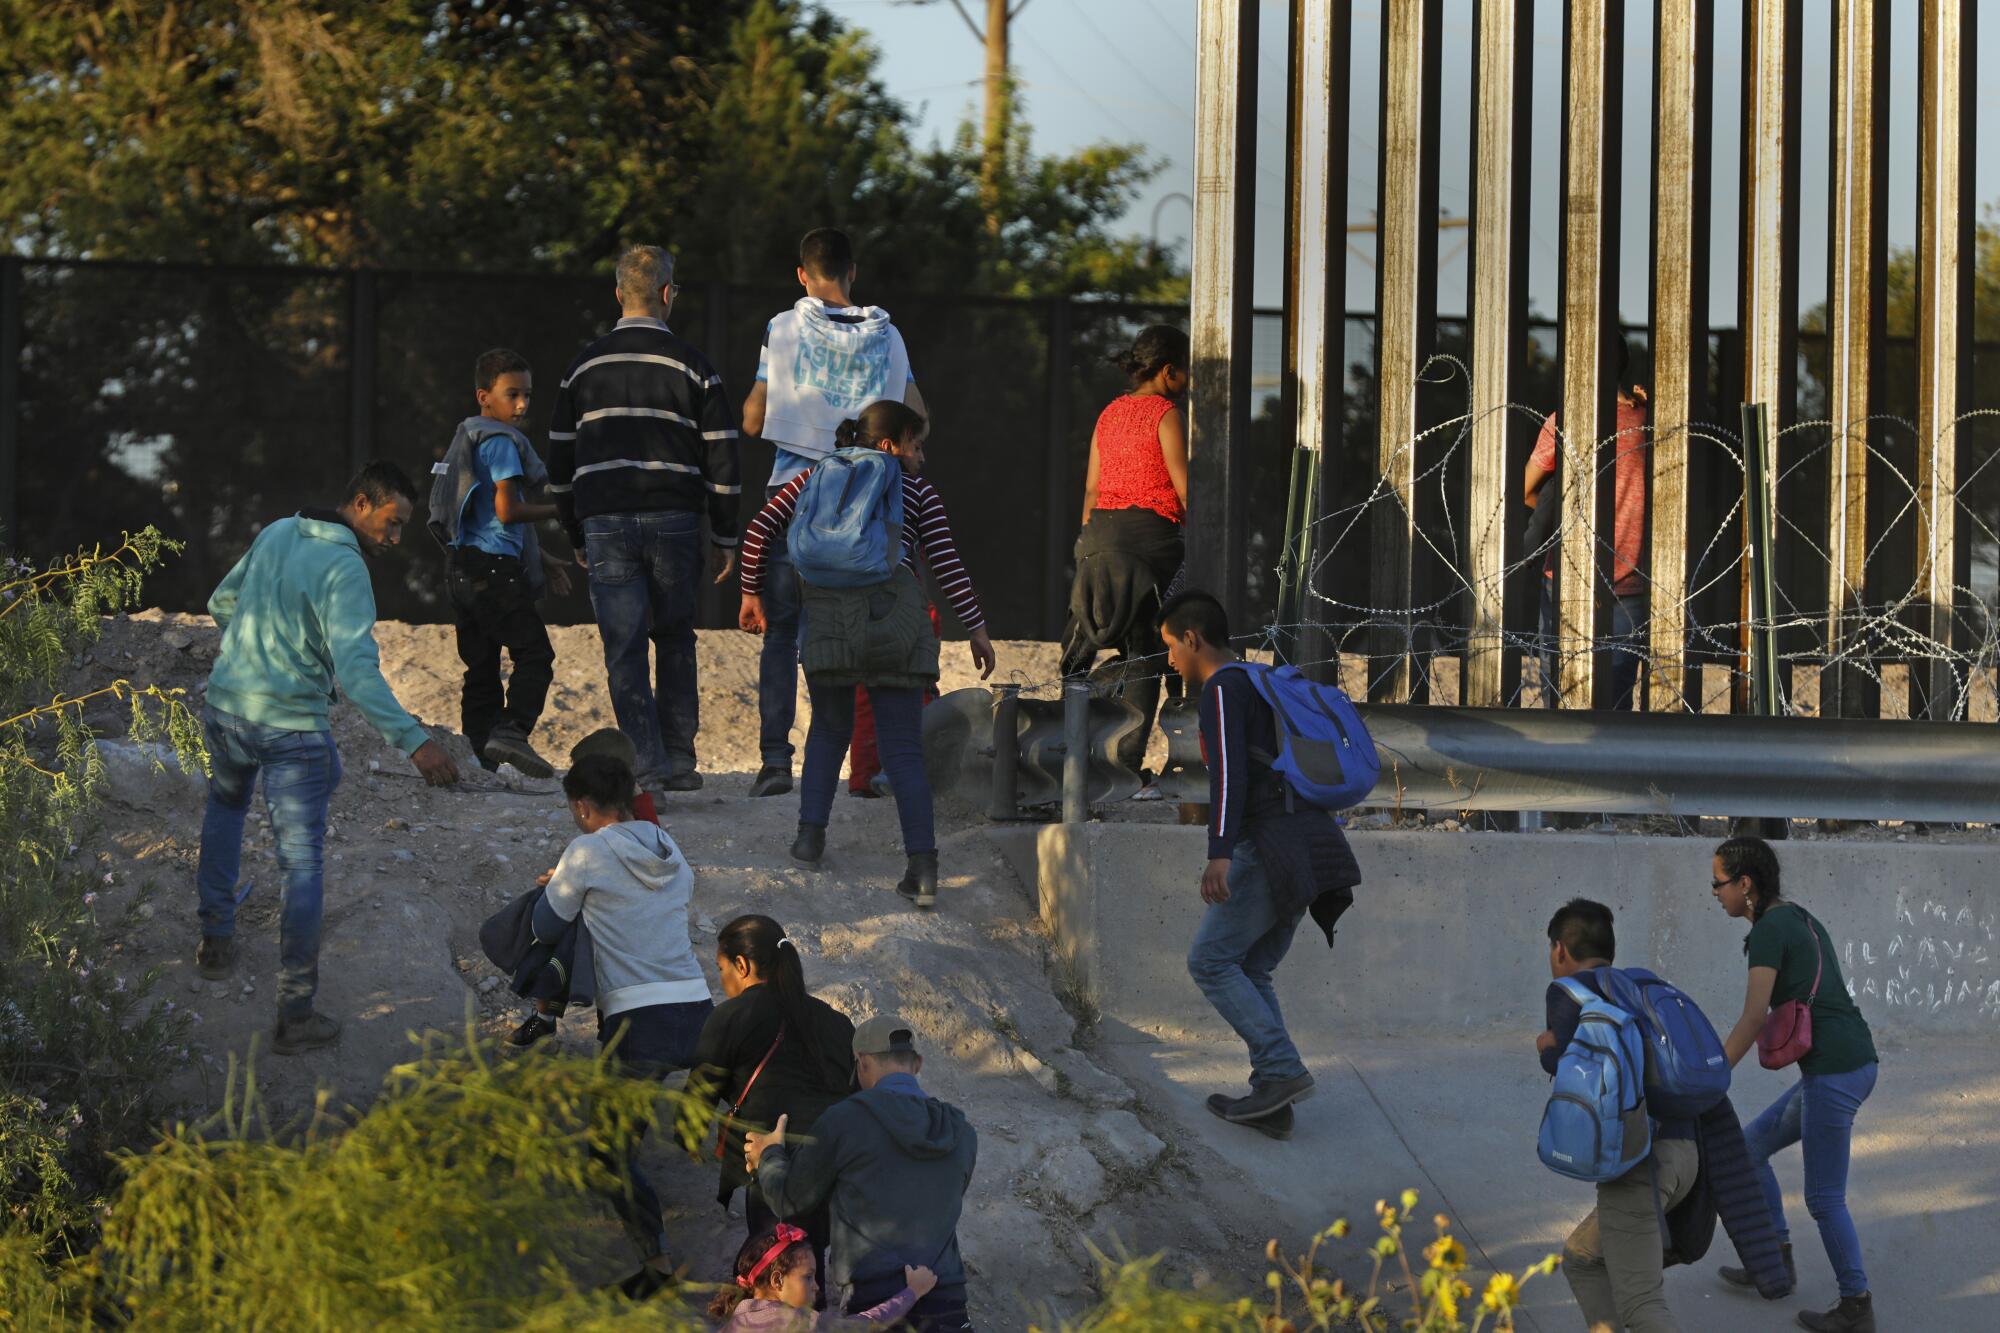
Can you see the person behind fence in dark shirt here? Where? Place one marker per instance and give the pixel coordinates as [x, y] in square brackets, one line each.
[642, 447]
[770, 1049]
[1134, 502]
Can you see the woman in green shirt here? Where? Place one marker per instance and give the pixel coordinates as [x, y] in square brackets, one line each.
[1792, 958]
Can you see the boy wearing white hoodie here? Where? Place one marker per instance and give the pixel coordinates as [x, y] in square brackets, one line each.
[822, 362]
[632, 885]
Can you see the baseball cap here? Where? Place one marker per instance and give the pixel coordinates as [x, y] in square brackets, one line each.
[882, 1034]
[607, 741]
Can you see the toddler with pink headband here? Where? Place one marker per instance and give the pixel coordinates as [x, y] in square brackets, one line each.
[776, 1288]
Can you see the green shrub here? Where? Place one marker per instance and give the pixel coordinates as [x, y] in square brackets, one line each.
[80, 1046]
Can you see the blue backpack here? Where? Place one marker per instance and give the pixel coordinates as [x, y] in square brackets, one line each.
[1595, 1125]
[847, 530]
[1325, 755]
[1686, 1069]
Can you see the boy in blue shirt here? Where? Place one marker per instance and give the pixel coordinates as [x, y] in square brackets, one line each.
[479, 510]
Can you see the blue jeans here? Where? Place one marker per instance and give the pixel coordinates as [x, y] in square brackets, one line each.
[653, 1040]
[300, 770]
[644, 572]
[899, 737]
[1236, 948]
[1817, 1112]
[1621, 654]
[778, 664]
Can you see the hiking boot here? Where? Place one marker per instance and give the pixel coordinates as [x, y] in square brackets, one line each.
[533, 1028]
[810, 845]
[1265, 1098]
[919, 883]
[772, 780]
[509, 745]
[688, 781]
[215, 957]
[1740, 1277]
[307, 1032]
[1854, 1314]
[1277, 1125]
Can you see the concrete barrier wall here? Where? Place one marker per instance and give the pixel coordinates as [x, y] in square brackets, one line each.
[1448, 931]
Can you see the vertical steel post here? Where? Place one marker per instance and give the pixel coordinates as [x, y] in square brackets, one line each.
[361, 362]
[12, 326]
[1854, 252]
[1056, 528]
[1766, 691]
[1584, 236]
[1404, 322]
[1315, 306]
[1004, 797]
[1076, 752]
[1940, 59]
[1680, 335]
[1502, 66]
[1224, 224]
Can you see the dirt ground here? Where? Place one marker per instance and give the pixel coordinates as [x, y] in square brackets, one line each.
[1066, 1155]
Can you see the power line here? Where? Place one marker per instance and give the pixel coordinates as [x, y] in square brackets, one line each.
[1170, 103]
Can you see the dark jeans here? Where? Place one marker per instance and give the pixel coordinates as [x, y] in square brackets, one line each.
[1817, 1113]
[758, 1218]
[943, 1311]
[644, 572]
[1621, 654]
[899, 736]
[492, 607]
[778, 663]
[652, 1041]
[300, 771]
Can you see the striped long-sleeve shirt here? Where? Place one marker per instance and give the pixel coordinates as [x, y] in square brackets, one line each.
[642, 424]
[926, 527]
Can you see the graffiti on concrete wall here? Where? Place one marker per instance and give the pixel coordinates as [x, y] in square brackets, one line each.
[1939, 957]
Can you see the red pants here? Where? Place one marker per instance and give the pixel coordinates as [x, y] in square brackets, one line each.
[863, 763]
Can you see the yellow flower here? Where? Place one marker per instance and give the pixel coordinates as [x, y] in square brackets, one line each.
[1501, 1293]
[1409, 1200]
[1448, 1254]
[1340, 1229]
[1386, 1246]
[1273, 1281]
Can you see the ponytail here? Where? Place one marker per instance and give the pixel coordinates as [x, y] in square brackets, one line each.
[883, 419]
[764, 943]
[1157, 347]
[1753, 859]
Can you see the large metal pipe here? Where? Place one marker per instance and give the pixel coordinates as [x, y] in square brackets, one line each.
[1076, 752]
[1939, 68]
[1661, 763]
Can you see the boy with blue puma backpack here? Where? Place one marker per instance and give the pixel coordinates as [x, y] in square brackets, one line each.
[854, 526]
[1613, 1259]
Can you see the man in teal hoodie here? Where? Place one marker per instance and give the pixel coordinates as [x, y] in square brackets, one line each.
[297, 615]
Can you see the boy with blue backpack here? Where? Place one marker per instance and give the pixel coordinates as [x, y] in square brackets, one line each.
[1634, 1063]
[854, 526]
[1274, 851]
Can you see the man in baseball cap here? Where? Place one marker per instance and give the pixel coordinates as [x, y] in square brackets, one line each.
[893, 1163]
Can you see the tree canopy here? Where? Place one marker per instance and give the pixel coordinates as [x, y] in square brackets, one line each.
[520, 134]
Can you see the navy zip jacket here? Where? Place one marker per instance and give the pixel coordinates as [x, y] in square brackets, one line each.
[544, 957]
[1739, 1200]
[641, 425]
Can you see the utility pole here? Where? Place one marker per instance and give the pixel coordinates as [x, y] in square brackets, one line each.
[998, 118]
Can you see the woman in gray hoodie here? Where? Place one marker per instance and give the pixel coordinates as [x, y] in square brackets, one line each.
[632, 885]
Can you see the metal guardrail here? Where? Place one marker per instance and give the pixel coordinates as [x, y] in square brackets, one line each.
[1528, 759]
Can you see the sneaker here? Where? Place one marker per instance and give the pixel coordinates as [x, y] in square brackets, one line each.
[1268, 1097]
[1277, 1125]
[507, 745]
[1740, 1277]
[810, 845]
[688, 781]
[772, 780]
[215, 957]
[308, 1032]
[1854, 1314]
[919, 883]
[533, 1028]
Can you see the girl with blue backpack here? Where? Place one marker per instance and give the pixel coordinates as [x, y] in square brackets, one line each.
[1796, 1009]
[855, 525]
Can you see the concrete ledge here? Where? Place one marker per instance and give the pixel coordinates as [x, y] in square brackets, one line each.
[1447, 931]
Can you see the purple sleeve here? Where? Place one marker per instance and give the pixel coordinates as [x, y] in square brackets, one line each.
[888, 1312]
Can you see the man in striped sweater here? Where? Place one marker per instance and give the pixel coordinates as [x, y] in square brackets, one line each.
[642, 445]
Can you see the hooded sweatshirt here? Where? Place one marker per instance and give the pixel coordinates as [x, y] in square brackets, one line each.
[297, 614]
[894, 1165]
[632, 885]
[823, 364]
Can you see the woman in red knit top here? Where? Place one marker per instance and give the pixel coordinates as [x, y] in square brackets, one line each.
[1134, 498]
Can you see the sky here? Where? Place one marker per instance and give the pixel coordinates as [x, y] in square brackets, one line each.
[1124, 71]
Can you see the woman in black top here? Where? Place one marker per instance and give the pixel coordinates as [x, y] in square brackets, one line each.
[769, 1049]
